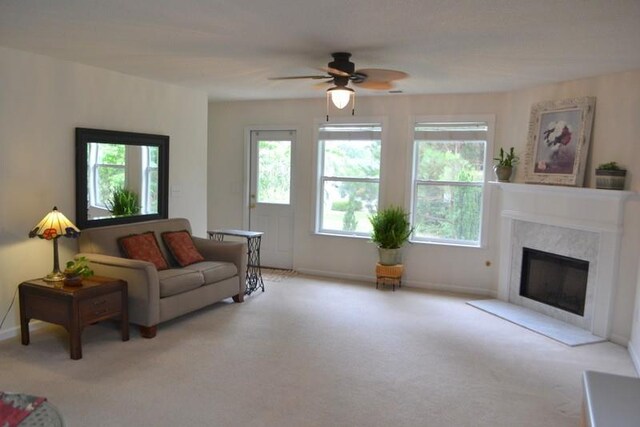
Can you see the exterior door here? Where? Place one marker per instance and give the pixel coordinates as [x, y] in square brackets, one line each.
[270, 192]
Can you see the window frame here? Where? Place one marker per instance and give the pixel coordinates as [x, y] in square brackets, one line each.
[412, 186]
[320, 179]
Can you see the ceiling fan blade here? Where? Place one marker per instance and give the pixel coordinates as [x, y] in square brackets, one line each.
[322, 85]
[374, 85]
[381, 75]
[300, 77]
[335, 71]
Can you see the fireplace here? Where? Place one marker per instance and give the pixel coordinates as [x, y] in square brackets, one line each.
[555, 280]
[582, 224]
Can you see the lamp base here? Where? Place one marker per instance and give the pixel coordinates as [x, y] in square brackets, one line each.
[54, 276]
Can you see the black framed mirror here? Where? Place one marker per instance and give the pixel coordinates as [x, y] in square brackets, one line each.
[121, 177]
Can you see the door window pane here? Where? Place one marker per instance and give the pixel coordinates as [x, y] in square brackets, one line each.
[274, 172]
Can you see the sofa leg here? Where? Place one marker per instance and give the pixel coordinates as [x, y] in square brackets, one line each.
[238, 298]
[148, 331]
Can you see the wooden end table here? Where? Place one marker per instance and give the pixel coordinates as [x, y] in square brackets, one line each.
[99, 298]
[389, 274]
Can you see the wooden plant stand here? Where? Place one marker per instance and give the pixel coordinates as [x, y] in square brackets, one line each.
[389, 275]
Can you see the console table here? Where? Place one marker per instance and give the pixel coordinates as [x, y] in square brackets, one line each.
[99, 298]
[254, 274]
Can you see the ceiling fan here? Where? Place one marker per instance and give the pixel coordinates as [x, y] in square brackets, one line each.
[341, 72]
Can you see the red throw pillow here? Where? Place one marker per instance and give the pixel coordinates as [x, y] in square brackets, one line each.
[143, 247]
[181, 246]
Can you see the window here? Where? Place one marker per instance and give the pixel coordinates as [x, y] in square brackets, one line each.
[107, 171]
[349, 177]
[150, 180]
[448, 181]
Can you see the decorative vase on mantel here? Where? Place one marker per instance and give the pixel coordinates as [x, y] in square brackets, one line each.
[503, 173]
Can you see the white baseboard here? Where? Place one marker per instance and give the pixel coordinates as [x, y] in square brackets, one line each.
[619, 339]
[635, 357]
[14, 332]
[334, 275]
[411, 284]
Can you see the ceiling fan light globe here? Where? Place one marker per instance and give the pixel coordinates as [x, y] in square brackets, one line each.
[340, 96]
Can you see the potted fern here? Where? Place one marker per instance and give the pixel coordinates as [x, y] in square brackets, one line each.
[123, 202]
[391, 230]
[504, 166]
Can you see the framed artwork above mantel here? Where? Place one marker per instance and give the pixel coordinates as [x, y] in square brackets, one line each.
[558, 143]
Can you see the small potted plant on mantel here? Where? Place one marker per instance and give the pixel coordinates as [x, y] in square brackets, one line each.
[610, 176]
[504, 166]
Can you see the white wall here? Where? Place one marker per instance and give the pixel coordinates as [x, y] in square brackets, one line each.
[425, 265]
[431, 266]
[42, 101]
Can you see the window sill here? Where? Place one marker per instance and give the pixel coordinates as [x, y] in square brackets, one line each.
[453, 244]
[348, 236]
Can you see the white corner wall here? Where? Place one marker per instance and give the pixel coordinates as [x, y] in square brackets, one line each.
[42, 101]
[431, 266]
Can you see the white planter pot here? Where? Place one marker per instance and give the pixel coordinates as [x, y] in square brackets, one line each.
[390, 256]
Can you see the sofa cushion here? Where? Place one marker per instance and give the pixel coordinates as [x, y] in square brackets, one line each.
[143, 247]
[181, 247]
[214, 271]
[178, 280]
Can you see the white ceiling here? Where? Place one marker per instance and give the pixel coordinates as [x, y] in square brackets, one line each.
[229, 48]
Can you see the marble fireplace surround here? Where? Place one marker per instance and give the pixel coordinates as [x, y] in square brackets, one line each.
[581, 223]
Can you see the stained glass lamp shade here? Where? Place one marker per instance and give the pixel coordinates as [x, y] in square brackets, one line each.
[53, 226]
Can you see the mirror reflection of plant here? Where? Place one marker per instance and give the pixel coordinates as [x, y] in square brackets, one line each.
[123, 202]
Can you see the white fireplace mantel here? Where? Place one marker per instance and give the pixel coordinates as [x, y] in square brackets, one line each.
[570, 208]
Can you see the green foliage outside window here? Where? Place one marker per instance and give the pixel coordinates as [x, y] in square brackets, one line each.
[348, 203]
[274, 172]
[448, 206]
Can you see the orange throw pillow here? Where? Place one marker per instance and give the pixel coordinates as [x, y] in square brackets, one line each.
[181, 246]
[143, 247]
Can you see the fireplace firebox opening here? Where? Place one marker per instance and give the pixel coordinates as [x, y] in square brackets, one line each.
[555, 280]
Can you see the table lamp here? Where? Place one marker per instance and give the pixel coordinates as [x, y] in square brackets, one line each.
[52, 226]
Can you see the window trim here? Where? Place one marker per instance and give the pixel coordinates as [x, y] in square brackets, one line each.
[490, 119]
[318, 167]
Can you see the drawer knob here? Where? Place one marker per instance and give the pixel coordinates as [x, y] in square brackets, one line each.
[97, 303]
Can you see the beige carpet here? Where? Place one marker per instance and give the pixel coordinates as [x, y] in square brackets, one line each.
[313, 352]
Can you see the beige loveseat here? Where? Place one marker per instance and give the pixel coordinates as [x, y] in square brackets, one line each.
[156, 296]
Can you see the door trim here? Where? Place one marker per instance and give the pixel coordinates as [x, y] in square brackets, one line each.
[247, 169]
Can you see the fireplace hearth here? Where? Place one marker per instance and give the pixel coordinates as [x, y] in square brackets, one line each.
[555, 280]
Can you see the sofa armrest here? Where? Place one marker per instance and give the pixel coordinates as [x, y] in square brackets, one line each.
[234, 252]
[143, 284]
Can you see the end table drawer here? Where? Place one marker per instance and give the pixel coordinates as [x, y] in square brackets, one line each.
[97, 307]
